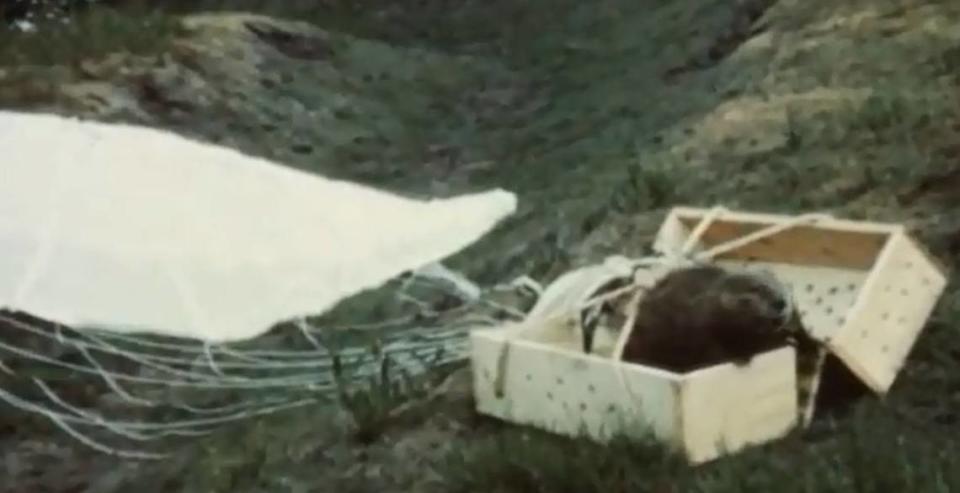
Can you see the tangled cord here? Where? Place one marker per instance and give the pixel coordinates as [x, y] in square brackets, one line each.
[149, 374]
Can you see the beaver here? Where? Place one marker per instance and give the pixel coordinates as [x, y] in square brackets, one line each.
[704, 315]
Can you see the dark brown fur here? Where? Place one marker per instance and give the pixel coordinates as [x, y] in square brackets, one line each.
[705, 315]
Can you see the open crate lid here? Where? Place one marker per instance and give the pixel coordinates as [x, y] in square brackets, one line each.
[864, 289]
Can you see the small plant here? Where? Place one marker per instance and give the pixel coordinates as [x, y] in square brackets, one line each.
[647, 186]
[793, 132]
[374, 403]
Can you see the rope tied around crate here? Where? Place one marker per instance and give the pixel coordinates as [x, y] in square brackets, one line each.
[671, 260]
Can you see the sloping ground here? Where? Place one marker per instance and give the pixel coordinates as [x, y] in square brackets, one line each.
[319, 100]
[599, 116]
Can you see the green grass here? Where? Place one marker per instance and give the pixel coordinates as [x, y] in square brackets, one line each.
[873, 452]
[145, 27]
[89, 35]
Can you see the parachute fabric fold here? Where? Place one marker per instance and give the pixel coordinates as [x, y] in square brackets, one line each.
[135, 229]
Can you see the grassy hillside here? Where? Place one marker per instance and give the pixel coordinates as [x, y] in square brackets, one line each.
[599, 115]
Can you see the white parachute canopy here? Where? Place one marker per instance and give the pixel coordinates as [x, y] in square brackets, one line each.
[133, 229]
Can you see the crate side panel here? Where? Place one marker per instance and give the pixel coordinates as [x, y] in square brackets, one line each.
[893, 311]
[729, 408]
[919, 261]
[571, 394]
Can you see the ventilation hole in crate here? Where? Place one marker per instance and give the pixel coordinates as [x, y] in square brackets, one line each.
[549, 396]
[925, 281]
[818, 301]
[885, 316]
[611, 408]
[904, 292]
[559, 381]
[565, 405]
[887, 288]
[864, 334]
[583, 406]
[902, 320]
[529, 377]
[834, 290]
[591, 389]
[908, 264]
[841, 320]
[809, 288]
[851, 287]
[885, 348]
[829, 310]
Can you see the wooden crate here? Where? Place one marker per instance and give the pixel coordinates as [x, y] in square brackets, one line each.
[864, 289]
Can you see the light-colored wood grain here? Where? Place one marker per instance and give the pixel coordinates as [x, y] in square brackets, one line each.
[889, 315]
[571, 393]
[574, 394]
[727, 408]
